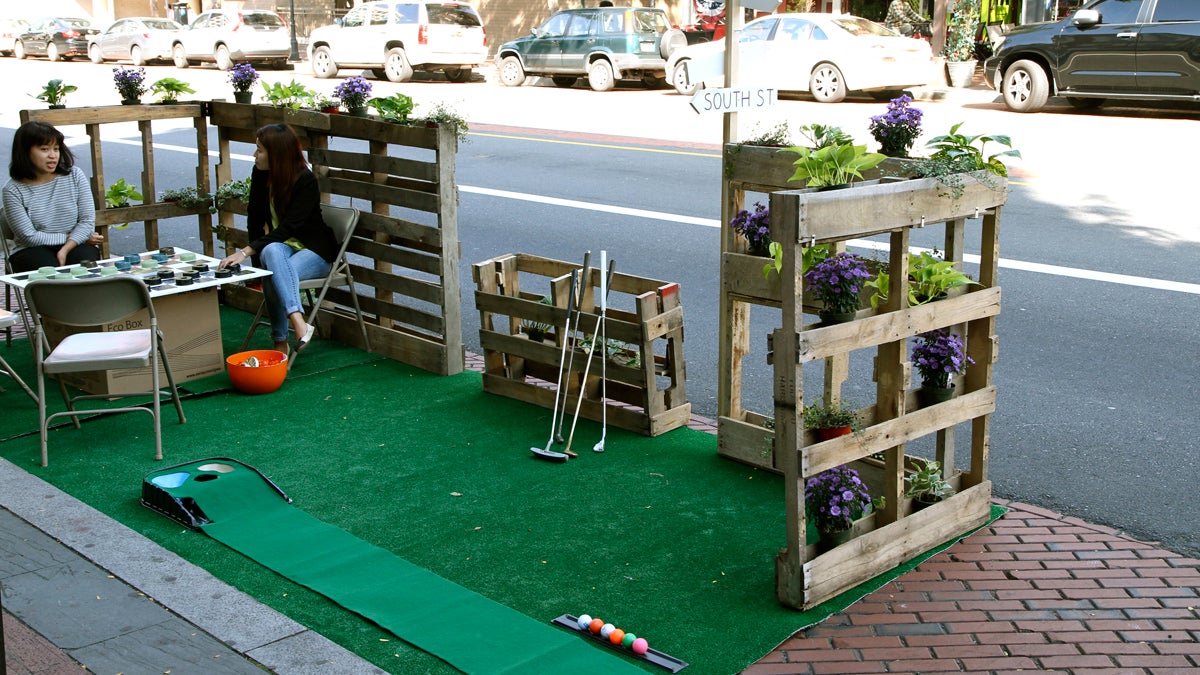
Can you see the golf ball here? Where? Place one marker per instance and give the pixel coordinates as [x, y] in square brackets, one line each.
[640, 646]
[584, 621]
[627, 641]
[596, 625]
[607, 630]
[616, 636]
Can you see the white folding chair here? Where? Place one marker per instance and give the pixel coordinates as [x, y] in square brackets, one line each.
[81, 303]
[342, 220]
[7, 321]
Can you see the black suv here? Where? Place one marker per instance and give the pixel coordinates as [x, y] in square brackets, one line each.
[1130, 49]
[605, 44]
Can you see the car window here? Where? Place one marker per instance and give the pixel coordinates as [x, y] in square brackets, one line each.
[1177, 10]
[650, 22]
[555, 25]
[793, 30]
[1118, 11]
[408, 13]
[264, 19]
[77, 23]
[856, 26]
[378, 16]
[582, 24]
[159, 24]
[614, 22]
[202, 21]
[453, 14]
[759, 31]
[355, 17]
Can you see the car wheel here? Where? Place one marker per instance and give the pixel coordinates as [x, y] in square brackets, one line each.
[826, 84]
[458, 74]
[564, 81]
[179, 56]
[223, 59]
[52, 51]
[135, 55]
[671, 40]
[323, 65]
[19, 49]
[94, 54]
[1025, 86]
[654, 81]
[396, 66]
[682, 79]
[510, 71]
[1085, 103]
[600, 76]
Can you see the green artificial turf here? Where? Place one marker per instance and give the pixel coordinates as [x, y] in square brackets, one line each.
[658, 536]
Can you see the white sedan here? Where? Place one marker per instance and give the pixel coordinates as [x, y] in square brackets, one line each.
[827, 55]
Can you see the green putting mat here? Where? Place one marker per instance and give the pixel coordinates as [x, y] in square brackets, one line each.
[474, 634]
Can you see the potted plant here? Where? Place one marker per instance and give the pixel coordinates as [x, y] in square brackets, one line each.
[834, 165]
[354, 92]
[962, 21]
[830, 421]
[444, 114]
[325, 104]
[897, 129]
[536, 330]
[926, 485]
[168, 89]
[956, 155]
[394, 108]
[242, 77]
[119, 193]
[930, 277]
[939, 355]
[233, 190]
[755, 228]
[55, 92]
[834, 499]
[131, 84]
[291, 95]
[836, 281]
[187, 197]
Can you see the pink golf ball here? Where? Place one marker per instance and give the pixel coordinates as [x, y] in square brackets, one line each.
[607, 630]
[640, 646]
[583, 621]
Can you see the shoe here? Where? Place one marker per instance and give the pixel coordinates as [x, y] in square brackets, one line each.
[308, 336]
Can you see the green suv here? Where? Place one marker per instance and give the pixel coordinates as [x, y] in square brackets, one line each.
[604, 43]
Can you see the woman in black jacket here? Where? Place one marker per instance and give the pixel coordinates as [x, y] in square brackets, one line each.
[286, 230]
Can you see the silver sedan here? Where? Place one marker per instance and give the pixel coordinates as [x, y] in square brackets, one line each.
[138, 39]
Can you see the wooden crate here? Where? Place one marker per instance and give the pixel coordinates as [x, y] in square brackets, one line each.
[895, 533]
[644, 314]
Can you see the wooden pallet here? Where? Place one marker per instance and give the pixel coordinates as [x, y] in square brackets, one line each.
[645, 315]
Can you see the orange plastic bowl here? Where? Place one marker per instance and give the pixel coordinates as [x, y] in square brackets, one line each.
[264, 378]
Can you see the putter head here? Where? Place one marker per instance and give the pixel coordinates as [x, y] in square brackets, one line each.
[549, 455]
[599, 446]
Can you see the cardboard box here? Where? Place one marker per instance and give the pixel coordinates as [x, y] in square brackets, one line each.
[191, 327]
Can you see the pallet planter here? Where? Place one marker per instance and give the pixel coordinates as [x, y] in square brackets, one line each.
[895, 533]
[509, 293]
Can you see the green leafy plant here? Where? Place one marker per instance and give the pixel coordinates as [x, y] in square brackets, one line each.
[187, 197]
[536, 330]
[837, 164]
[930, 277]
[817, 416]
[955, 154]
[778, 136]
[394, 108]
[322, 103]
[926, 483]
[444, 114]
[168, 89]
[825, 135]
[961, 24]
[119, 193]
[55, 92]
[809, 256]
[291, 95]
[234, 189]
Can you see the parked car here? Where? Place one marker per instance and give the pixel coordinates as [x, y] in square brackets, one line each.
[55, 38]
[827, 55]
[137, 38]
[9, 30]
[1145, 50]
[394, 39]
[604, 44]
[228, 36]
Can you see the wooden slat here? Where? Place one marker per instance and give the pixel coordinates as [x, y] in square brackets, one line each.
[394, 166]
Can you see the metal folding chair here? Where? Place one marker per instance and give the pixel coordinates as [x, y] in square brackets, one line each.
[342, 220]
[7, 321]
[7, 243]
[86, 303]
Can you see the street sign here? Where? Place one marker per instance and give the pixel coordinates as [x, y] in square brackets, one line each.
[734, 100]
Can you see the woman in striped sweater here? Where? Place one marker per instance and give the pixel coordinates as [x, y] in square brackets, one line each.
[48, 203]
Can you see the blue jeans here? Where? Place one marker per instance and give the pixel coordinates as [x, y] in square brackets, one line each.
[288, 267]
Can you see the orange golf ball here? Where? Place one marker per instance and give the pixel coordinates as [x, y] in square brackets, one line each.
[596, 625]
[616, 636]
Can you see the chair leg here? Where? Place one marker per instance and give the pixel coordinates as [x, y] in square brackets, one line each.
[13, 374]
[358, 315]
[262, 306]
[156, 403]
[70, 402]
[171, 381]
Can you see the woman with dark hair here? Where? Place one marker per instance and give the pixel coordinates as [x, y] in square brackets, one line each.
[48, 203]
[286, 230]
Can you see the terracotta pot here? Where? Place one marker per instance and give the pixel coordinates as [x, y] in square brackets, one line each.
[831, 432]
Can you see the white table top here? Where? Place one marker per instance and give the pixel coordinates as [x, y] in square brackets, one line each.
[206, 279]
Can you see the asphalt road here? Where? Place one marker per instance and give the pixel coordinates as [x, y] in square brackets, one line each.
[1096, 371]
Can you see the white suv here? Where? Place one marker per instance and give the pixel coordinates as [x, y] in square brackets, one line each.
[394, 37]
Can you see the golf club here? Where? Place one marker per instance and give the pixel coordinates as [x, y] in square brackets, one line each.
[547, 453]
[584, 281]
[588, 364]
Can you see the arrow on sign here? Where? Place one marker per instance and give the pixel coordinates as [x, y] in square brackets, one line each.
[733, 100]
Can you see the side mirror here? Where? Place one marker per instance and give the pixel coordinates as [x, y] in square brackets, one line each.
[338, 21]
[534, 32]
[1086, 18]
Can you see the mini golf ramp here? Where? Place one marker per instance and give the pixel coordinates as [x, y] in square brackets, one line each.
[239, 507]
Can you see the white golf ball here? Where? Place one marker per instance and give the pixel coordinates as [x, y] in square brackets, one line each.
[583, 622]
[607, 630]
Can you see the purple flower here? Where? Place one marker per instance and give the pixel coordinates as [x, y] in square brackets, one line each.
[242, 77]
[836, 281]
[835, 498]
[131, 82]
[755, 227]
[353, 91]
[898, 128]
[938, 355]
